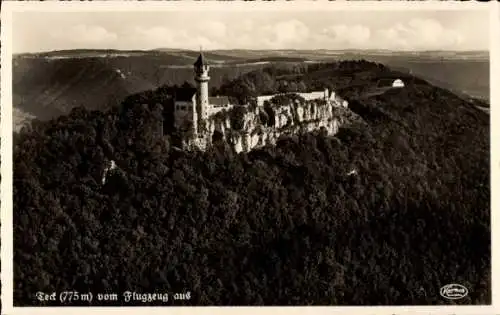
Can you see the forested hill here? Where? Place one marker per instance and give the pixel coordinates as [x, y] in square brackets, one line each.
[359, 76]
[284, 225]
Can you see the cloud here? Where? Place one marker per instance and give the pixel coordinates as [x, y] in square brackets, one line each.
[85, 34]
[420, 34]
[352, 35]
[253, 30]
[152, 37]
[248, 34]
[247, 25]
[284, 33]
[411, 35]
[164, 37]
[213, 29]
[414, 34]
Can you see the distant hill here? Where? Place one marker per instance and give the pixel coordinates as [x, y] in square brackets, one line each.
[344, 77]
[49, 84]
[50, 87]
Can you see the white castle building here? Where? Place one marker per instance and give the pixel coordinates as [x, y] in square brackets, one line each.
[193, 105]
[326, 95]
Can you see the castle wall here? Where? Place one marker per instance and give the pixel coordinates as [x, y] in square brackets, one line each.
[261, 99]
[313, 95]
[290, 119]
[316, 95]
[214, 110]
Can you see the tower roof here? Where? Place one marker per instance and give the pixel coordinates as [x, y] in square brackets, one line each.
[200, 62]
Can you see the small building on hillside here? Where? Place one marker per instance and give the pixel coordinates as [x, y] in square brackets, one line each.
[398, 83]
[390, 83]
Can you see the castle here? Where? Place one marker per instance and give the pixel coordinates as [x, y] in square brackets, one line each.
[194, 106]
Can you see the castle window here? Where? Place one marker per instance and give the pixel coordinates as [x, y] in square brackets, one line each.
[183, 107]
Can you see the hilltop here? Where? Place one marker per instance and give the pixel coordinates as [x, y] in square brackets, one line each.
[46, 85]
[380, 214]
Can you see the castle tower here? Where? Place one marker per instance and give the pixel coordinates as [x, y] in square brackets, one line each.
[201, 77]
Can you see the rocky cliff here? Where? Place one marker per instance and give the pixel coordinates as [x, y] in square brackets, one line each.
[247, 128]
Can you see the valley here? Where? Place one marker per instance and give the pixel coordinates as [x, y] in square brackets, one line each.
[47, 85]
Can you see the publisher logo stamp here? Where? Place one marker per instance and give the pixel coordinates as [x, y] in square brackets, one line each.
[453, 291]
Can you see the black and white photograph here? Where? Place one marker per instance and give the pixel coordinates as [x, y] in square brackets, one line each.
[265, 154]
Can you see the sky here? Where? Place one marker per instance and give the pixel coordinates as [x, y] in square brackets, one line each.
[394, 30]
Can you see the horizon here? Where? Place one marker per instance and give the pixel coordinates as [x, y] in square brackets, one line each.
[167, 49]
[406, 31]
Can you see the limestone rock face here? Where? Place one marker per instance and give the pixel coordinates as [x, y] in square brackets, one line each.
[262, 126]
